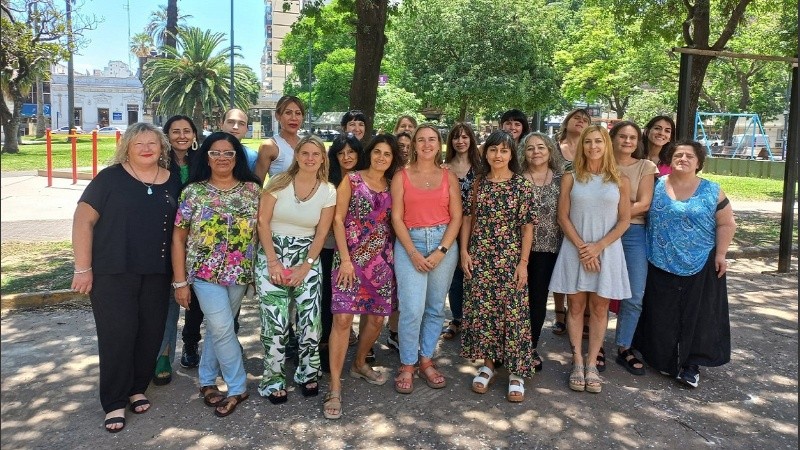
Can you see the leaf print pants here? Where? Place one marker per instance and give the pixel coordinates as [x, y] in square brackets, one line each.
[274, 304]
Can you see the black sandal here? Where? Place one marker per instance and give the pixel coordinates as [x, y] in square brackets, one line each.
[601, 360]
[309, 391]
[451, 330]
[114, 421]
[628, 360]
[278, 399]
[560, 328]
[538, 364]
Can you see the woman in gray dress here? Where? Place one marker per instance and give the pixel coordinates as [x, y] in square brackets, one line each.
[590, 267]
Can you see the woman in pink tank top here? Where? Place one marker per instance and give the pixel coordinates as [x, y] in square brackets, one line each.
[426, 215]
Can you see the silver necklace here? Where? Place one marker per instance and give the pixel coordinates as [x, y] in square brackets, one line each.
[299, 200]
[148, 186]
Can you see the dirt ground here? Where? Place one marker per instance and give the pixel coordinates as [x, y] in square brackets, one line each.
[50, 376]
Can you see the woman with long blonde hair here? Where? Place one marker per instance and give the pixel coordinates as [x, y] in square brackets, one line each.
[594, 212]
[295, 214]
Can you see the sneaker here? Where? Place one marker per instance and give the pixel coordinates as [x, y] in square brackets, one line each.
[392, 341]
[190, 358]
[690, 375]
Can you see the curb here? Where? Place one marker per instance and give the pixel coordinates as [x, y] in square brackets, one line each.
[40, 299]
[32, 300]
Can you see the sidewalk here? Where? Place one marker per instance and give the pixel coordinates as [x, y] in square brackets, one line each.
[49, 380]
[50, 376]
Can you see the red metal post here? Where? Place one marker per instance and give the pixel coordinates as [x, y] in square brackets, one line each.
[74, 155]
[94, 153]
[49, 146]
[119, 136]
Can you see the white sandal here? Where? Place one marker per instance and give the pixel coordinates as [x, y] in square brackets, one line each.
[480, 384]
[512, 388]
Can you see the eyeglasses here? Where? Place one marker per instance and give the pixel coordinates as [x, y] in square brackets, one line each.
[216, 154]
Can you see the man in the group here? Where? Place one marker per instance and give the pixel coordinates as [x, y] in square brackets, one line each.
[235, 122]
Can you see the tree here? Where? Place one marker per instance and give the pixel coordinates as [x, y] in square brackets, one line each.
[333, 79]
[194, 79]
[472, 55]
[696, 30]
[393, 102]
[370, 42]
[27, 51]
[601, 64]
[141, 45]
[164, 24]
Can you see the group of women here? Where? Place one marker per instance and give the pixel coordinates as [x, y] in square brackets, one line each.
[392, 229]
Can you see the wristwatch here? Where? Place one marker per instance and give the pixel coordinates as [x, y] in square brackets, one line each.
[442, 249]
[310, 261]
[179, 284]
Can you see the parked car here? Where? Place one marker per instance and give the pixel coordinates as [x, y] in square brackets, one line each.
[110, 130]
[65, 130]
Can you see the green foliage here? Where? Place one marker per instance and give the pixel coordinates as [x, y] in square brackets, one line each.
[645, 105]
[470, 55]
[195, 78]
[334, 76]
[393, 102]
[156, 28]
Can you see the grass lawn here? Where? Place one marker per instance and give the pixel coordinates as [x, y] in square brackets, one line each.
[33, 156]
[33, 267]
[750, 189]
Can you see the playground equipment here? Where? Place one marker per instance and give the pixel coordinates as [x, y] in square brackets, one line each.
[753, 136]
[73, 137]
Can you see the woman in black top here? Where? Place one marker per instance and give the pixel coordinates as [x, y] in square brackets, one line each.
[121, 237]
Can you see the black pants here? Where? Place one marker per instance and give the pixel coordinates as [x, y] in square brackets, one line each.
[129, 311]
[327, 294]
[540, 269]
[192, 320]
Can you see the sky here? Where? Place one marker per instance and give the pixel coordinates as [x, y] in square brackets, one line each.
[109, 41]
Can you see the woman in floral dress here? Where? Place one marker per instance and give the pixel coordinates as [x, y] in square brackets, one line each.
[363, 266]
[496, 241]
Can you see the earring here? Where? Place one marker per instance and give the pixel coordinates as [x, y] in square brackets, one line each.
[194, 144]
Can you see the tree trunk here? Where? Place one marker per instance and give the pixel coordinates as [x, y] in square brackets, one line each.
[198, 119]
[370, 41]
[172, 23]
[462, 109]
[41, 122]
[11, 120]
[696, 76]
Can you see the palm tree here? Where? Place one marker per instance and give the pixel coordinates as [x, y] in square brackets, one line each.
[141, 46]
[194, 79]
[158, 27]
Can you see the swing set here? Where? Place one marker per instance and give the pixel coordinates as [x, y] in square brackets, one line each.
[750, 144]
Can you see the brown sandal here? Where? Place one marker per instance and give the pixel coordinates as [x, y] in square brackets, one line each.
[230, 408]
[401, 380]
[451, 330]
[209, 393]
[423, 366]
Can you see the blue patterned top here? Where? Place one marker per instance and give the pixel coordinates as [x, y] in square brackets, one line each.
[680, 234]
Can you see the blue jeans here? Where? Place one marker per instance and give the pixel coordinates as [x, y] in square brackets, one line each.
[171, 328]
[221, 350]
[633, 244]
[421, 295]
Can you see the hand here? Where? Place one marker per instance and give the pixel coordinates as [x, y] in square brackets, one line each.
[420, 262]
[294, 276]
[276, 271]
[591, 265]
[82, 282]
[466, 265]
[346, 275]
[589, 250]
[721, 264]
[183, 296]
[435, 258]
[521, 275]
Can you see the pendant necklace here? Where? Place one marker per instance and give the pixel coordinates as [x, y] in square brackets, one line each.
[297, 199]
[148, 186]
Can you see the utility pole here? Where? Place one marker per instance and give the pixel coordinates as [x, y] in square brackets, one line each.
[232, 93]
[70, 69]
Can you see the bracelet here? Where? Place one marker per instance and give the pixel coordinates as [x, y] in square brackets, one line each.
[523, 260]
[82, 271]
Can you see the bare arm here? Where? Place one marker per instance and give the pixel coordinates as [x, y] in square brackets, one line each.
[466, 259]
[183, 295]
[299, 272]
[266, 207]
[401, 231]
[346, 270]
[567, 181]
[644, 196]
[267, 152]
[726, 227]
[456, 217]
[521, 272]
[83, 223]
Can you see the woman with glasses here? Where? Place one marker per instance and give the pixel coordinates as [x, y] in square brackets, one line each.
[212, 249]
[276, 154]
[295, 214]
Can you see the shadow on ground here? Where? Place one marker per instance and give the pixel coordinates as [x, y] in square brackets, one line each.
[50, 373]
